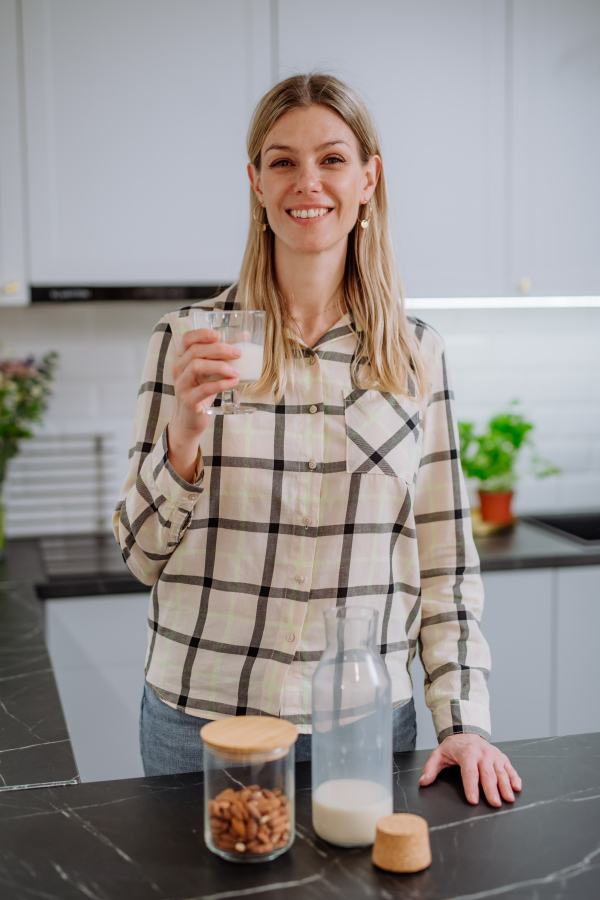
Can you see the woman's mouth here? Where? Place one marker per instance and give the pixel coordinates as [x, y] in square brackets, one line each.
[316, 213]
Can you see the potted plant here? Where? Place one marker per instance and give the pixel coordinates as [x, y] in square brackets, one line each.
[491, 458]
[24, 391]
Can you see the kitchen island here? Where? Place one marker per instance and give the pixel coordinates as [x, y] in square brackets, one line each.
[142, 839]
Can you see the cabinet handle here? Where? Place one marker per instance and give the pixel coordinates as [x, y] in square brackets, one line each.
[524, 285]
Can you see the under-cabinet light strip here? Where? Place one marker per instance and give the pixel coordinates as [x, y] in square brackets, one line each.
[499, 302]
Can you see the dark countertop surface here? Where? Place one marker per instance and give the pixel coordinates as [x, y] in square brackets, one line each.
[35, 748]
[142, 839]
[85, 565]
[529, 547]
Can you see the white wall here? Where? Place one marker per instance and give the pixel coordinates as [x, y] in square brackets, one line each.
[548, 358]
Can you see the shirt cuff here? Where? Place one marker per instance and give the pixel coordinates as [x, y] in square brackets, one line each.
[172, 496]
[462, 717]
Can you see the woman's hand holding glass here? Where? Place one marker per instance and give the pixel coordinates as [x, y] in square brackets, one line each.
[201, 371]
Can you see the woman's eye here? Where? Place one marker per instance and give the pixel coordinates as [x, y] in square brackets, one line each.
[281, 162]
[334, 159]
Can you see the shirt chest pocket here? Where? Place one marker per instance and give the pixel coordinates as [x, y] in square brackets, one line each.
[382, 434]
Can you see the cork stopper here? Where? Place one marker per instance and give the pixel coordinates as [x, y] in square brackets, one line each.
[402, 843]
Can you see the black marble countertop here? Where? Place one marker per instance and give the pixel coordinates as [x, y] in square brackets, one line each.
[526, 546]
[142, 839]
[86, 565]
[35, 748]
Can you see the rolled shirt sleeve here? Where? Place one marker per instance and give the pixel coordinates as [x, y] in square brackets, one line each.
[454, 653]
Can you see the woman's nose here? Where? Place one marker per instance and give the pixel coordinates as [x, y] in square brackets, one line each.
[308, 179]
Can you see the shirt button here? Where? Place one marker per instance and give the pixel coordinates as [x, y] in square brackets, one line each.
[312, 360]
[312, 464]
[312, 409]
[307, 520]
[192, 496]
[299, 578]
[290, 636]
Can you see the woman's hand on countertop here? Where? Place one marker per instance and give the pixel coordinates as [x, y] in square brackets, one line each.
[479, 761]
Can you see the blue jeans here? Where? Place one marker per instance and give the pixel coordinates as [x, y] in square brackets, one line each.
[170, 742]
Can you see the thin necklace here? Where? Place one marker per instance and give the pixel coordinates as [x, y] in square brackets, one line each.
[316, 315]
[298, 319]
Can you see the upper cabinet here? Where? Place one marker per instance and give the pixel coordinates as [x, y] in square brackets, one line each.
[136, 116]
[554, 104]
[13, 271]
[122, 148]
[434, 75]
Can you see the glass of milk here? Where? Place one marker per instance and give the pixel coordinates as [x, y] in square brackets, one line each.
[246, 329]
[352, 760]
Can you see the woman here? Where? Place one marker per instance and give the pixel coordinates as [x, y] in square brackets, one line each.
[344, 487]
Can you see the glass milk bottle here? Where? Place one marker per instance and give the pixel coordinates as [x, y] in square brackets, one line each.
[351, 731]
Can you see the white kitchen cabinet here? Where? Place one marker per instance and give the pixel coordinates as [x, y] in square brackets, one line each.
[122, 155]
[555, 146]
[136, 115]
[434, 74]
[13, 270]
[578, 632]
[517, 622]
[97, 646]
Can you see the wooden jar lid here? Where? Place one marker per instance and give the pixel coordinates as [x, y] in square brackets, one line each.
[402, 843]
[245, 735]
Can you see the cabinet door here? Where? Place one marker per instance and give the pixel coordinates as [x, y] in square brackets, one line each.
[517, 623]
[433, 74]
[578, 685]
[555, 99]
[13, 278]
[136, 119]
[97, 646]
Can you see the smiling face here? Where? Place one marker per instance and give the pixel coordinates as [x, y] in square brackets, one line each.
[312, 179]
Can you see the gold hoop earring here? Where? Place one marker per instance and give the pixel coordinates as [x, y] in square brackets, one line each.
[261, 225]
[364, 223]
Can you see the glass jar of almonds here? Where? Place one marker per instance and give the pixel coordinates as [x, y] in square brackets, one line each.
[249, 787]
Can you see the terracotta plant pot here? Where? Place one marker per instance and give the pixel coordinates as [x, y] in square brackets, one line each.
[495, 507]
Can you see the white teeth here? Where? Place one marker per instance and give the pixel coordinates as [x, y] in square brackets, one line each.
[307, 213]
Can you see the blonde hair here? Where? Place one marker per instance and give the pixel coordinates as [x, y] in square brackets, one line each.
[388, 356]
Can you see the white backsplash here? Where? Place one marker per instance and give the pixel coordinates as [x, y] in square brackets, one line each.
[547, 358]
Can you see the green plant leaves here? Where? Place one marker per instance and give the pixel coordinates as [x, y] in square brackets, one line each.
[491, 457]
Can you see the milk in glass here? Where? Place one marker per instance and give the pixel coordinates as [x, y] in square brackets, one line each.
[250, 363]
[346, 810]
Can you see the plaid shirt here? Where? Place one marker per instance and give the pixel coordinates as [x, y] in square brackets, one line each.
[332, 496]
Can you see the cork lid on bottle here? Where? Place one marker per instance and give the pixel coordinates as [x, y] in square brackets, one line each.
[246, 736]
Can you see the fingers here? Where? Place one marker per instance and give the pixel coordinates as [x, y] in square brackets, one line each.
[479, 761]
[199, 335]
[489, 783]
[432, 768]
[513, 775]
[470, 777]
[201, 371]
[504, 784]
[197, 395]
[218, 350]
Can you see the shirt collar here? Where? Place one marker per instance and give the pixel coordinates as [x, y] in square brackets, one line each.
[342, 328]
